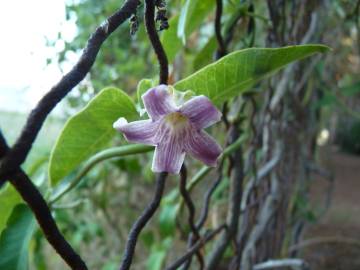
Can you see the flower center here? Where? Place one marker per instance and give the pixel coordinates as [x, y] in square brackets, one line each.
[176, 120]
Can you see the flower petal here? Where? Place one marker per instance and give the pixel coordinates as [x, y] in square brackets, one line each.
[201, 112]
[169, 155]
[203, 147]
[158, 102]
[138, 132]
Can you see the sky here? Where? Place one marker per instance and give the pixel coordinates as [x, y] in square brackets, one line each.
[24, 28]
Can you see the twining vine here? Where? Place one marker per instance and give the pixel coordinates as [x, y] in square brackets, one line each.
[254, 203]
[12, 158]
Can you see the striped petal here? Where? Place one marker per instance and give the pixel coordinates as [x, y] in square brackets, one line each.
[203, 147]
[138, 131]
[201, 112]
[169, 153]
[158, 102]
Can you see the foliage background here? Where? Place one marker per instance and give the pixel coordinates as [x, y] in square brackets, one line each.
[96, 217]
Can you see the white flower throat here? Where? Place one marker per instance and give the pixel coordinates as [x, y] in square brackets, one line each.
[177, 121]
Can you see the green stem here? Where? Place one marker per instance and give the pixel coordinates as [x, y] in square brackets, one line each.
[120, 151]
[127, 150]
[257, 16]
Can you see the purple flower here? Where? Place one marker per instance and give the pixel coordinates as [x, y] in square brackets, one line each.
[174, 130]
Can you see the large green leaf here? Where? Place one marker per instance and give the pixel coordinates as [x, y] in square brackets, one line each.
[240, 70]
[192, 15]
[8, 199]
[89, 131]
[15, 239]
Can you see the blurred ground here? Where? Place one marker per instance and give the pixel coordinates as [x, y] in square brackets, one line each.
[336, 236]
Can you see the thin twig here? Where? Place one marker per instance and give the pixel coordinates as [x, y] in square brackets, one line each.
[264, 216]
[160, 183]
[155, 41]
[236, 188]
[197, 178]
[207, 198]
[204, 212]
[37, 204]
[191, 220]
[142, 221]
[23, 144]
[324, 241]
[282, 263]
[195, 248]
[357, 25]
[221, 45]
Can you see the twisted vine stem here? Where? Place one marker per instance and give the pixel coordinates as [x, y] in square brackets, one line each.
[13, 157]
[234, 209]
[18, 153]
[155, 41]
[221, 45]
[195, 248]
[31, 195]
[195, 235]
[160, 183]
[142, 221]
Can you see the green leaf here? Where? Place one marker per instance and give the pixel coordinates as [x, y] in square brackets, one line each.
[158, 254]
[156, 260]
[89, 131]
[327, 100]
[148, 238]
[205, 56]
[167, 219]
[192, 15]
[238, 71]
[8, 199]
[15, 239]
[181, 26]
[351, 90]
[171, 42]
[142, 87]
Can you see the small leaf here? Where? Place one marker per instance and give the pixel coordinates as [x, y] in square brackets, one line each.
[192, 15]
[158, 254]
[148, 238]
[8, 199]
[156, 260]
[171, 42]
[351, 90]
[238, 71]
[180, 27]
[205, 56]
[15, 239]
[89, 131]
[327, 100]
[142, 87]
[167, 218]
